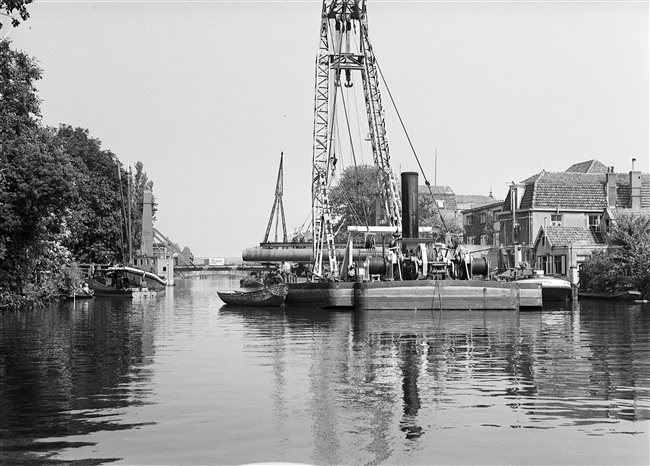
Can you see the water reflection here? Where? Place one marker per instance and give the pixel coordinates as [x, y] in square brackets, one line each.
[192, 380]
[374, 370]
[67, 371]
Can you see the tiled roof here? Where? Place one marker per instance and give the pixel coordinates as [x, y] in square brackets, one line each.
[577, 191]
[567, 190]
[492, 205]
[566, 236]
[619, 211]
[471, 201]
[436, 190]
[590, 166]
[440, 193]
[623, 190]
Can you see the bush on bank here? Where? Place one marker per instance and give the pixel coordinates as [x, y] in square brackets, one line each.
[626, 264]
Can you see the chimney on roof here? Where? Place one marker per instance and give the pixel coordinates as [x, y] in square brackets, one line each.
[635, 188]
[610, 187]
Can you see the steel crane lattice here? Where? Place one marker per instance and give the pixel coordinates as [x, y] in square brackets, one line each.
[277, 211]
[339, 51]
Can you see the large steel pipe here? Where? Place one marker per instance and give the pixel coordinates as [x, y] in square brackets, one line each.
[297, 255]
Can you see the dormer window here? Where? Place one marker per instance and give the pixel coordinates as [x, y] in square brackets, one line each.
[556, 220]
[594, 221]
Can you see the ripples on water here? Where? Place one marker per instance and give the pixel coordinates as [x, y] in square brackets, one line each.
[182, 379]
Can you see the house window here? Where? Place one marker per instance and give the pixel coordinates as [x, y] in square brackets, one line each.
[594, 221]
[543, 263]
[470, 240]
[441, 204]
[543, 240]
[559, 264]
[470, 220]
[556, 220]
[482, 218]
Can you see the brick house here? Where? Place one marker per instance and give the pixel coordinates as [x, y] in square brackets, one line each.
[481, 224]
[537, 210]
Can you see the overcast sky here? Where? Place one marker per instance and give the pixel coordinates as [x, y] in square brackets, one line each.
[208, 93]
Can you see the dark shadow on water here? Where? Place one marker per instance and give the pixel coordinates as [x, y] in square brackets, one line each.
[62, 366]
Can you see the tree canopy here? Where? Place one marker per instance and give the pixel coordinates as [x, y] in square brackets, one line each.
[16, 10]
[61, 194]
[354, 201]
[626, 264]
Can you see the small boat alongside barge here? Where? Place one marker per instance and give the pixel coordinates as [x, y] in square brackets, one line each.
[271, 295]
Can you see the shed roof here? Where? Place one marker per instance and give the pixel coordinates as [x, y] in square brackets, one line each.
[567, 236]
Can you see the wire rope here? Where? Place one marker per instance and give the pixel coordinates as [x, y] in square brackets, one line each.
[399, 116]
[354, 158]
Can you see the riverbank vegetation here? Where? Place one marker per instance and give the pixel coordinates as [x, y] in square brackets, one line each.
[62, 196]
[625, 265]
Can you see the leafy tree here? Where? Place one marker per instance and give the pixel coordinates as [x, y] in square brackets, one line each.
[442, 222]
[20, 109]
[96, 212]
[13, 7]
[35, 192]
[354, 202]
[60, 193]
[35, 185]
[626, 265]
[353, 199]
[188, 255]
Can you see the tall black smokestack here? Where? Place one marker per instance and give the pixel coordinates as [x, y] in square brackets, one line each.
[410, 219]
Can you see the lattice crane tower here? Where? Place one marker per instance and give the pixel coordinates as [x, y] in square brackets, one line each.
[277, 211]
[339, 51]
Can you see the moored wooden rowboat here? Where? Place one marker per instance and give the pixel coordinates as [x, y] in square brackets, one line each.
[272, 295]
[616, 295]
[79, 294]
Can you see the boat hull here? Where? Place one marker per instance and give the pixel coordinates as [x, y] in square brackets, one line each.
[273, 295]
[321, 294]
[446, 295]
[416, 294]
[615, 296]
[101, 290]
[154, 282]
[80, 295]
[553, 289]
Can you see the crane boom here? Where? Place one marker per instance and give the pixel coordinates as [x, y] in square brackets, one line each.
[340, 52]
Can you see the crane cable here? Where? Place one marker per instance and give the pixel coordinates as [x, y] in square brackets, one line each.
[417, 159]
[354, 159]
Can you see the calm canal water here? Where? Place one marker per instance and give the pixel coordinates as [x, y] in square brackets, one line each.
[179, 379]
